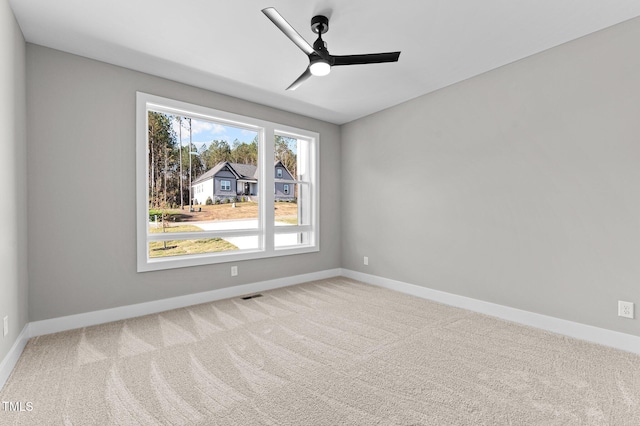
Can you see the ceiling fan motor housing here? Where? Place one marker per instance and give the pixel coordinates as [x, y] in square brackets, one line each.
[319, 24]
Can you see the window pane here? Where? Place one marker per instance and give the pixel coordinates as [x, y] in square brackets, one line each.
[291, 189]
[293, 210]
[286, 156]
[286, 213]
[201, 173]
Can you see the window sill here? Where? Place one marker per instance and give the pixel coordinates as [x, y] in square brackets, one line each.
[208, 259]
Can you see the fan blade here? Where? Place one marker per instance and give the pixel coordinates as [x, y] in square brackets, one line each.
[372, 58]
[305, 75]
[288, 30]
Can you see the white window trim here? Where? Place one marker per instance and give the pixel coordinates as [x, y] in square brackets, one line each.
[266, 219]
[222, 186]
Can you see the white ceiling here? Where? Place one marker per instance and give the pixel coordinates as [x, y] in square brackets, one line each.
[230, 47]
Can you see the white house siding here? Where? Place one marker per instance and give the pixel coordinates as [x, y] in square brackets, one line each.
[206, 187]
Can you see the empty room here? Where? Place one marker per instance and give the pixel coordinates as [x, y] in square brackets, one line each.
[320, 213]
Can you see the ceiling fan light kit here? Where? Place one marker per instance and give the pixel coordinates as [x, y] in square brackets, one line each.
[320, 60]
[319, 67]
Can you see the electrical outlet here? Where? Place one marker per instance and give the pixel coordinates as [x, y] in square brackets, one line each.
[5, 328]
[366, 260]
[234, 271]
[625, 309]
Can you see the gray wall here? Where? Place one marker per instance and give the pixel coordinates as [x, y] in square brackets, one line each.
[525, 184]
[81, 189]
[13, 250]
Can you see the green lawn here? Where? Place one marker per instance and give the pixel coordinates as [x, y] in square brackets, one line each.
[182, 247]
[174, 228]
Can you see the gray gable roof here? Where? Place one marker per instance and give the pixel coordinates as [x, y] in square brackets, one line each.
[212, 172]
[242, 171]
[246, 171]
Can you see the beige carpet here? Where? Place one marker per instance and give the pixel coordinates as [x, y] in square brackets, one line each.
[333, 352]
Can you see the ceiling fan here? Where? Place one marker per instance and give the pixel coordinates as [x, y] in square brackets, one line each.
[320, 60]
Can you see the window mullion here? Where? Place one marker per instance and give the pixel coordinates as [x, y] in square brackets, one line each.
[267, 196]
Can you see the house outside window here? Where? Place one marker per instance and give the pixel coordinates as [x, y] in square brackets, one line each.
[169, 186]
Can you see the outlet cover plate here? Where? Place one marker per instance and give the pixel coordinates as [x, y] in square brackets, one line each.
[625, 309]
[234, 271]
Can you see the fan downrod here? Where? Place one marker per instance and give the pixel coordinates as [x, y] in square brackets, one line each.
[319, 24]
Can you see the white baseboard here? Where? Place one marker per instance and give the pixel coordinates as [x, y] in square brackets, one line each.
[9, 361]
[55, 325]
[615, 339]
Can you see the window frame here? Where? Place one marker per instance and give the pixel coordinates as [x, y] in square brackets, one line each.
[224, 187]
[266, 230]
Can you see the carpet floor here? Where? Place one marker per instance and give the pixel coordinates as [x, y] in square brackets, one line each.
[330, 352]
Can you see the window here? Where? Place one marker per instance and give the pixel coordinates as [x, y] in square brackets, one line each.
[176, 159]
